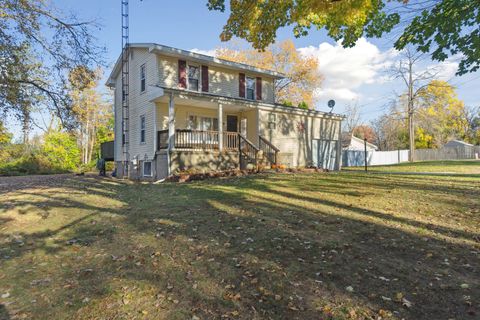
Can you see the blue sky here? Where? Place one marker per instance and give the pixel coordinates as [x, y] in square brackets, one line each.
[351, 75]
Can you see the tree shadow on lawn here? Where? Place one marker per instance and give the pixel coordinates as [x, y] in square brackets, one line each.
[239, 248]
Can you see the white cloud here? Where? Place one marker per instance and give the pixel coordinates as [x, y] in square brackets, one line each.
[448, 68]
[346, 69]
[210, 53]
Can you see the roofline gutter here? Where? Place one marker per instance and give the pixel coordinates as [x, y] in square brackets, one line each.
[260, 105]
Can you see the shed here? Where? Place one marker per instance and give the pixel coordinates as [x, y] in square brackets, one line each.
[350, 142]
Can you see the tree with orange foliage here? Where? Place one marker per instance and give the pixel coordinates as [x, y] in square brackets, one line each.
[302, 76]
[365, 131]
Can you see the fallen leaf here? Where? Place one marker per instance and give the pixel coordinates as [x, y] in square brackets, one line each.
[406, 303]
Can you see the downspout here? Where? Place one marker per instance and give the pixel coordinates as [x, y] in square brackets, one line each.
[155, 139]
[339, 146]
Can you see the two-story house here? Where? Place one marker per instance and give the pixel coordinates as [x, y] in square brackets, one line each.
[191, 111]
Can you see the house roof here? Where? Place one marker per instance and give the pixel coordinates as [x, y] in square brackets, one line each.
[192, 56]
[459, 142]
[347, 138]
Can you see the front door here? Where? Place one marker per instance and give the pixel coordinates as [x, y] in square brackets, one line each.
[232, 123]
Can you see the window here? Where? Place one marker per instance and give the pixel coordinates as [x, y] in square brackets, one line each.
[124, 93]
[250, 88]
[272, 121]
[202, 123]
[193, 76]
[147, 168]
[142, 78]
[142, 129]
[124, 137]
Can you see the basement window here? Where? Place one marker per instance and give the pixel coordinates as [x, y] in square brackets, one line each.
[147, 168]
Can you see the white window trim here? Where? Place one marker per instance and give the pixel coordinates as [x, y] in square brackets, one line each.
[143, 78]
[144, 129]
[151, 169]
[199, 117]
[199, 77]
[254, 88]
[272, 121]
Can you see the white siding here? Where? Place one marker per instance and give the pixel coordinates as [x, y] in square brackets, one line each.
[294, 133]
[222, 81]
[118, 119]
[138, 105]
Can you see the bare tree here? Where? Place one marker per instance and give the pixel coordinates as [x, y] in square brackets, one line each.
[472, 128]
[415, 80]
[352, 119]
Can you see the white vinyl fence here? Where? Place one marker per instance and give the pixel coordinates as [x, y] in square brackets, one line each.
[353, 158]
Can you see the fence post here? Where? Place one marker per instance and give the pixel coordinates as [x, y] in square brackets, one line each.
[365, 149]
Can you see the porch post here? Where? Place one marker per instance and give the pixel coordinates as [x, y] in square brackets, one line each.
[171, 123]
[220, 127]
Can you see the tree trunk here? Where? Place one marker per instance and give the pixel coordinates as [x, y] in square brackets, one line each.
[411, 126]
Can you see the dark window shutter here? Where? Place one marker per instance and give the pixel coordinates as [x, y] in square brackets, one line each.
[259, 88]
[182, 74]
[241, 85]
[205, 78]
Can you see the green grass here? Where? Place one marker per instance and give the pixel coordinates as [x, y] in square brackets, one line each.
[445, 166]
[278, 246]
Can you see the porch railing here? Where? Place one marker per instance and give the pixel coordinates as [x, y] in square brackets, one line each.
[230, 140]
[248, 152]
[269, 150]
[198, 139]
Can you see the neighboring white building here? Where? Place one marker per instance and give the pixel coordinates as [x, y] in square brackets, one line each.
[350, 142]
[458, 143]
[189, 111]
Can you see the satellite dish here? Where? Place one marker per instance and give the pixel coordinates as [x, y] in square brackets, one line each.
[331, 104]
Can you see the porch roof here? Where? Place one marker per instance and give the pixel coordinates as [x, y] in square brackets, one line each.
[188, 94]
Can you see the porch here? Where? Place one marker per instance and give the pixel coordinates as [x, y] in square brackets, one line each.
[204, 141]
[206, 128]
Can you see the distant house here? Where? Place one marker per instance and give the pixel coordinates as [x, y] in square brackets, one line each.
[350, 142]
[458, 144]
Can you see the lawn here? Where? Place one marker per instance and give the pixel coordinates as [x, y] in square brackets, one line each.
[444, 167]
[271, 246]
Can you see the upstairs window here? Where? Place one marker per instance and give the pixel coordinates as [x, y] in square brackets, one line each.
[142, 129]
[250, 88]
[142, 78]
[193, 78]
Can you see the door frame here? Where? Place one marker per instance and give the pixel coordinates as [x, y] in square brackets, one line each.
[226, 118]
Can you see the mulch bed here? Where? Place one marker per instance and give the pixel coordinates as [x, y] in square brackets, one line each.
[182, 177]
